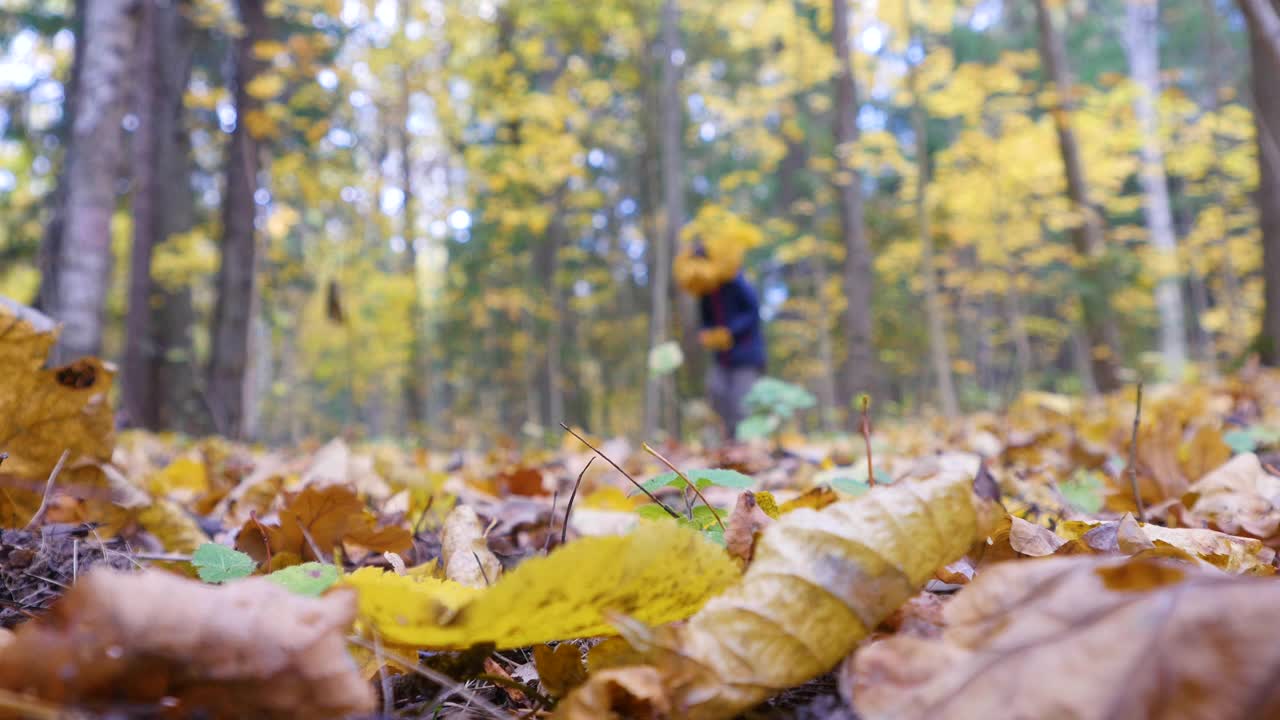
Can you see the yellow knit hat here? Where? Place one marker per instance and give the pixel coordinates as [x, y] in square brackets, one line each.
[724, 239]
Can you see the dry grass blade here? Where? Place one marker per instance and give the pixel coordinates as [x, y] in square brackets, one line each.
[687, 482]
[564, 528]
[48, 492]
[618, 467]
[451, 687]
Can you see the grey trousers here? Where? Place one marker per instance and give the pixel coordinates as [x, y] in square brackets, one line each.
[727, 386]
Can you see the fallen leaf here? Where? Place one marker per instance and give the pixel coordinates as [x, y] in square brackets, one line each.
[628, 693]
[1032, 540]
[610, 653]
[1239, 498]
[319, 519]
[560, 669]
[1085, 638]
[250, 648]
[310, 578]
[744, 522]
[819, 583]
[659, 573]
[1229, 553]
[466, 555]
[218, 563]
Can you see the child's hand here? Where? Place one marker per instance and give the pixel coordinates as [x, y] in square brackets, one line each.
[716, 338]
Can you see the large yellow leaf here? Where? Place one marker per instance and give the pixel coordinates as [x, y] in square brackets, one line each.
[659, 573]
[1086, 638]
[819, 582]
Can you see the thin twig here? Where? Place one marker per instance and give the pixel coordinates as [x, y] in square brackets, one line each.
[75, 559]
[48, 580]
[417, 526]
[163, 557]
[687, 481]
[625, 474]
[1133, 457]
[546, 542]
[48, 492]
[564, 527]
[513, 684]
[311, 542]
[866, 438]
[266, 540]
[388, 695]
[451, 686]
[480, 565]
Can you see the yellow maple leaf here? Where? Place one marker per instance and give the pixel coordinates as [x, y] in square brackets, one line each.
[657, 574]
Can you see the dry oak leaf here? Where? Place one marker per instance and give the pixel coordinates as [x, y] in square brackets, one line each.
[560, 669]
[658, 573]
[465, 552]
[819, 583]
[46, 411]
[1239, 497]
[746, 520]
[1085, 638]
[1228, 553]
[247, 649]
[319, 519]
[626, 693]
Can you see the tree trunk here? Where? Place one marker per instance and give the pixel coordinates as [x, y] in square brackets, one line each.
[159, 177]
[51, 241]
[1264, 49]
[1087, 237]
[1142, 28]
[672, 141]
[417, 374]
[226, 387]
[83, 264]
[859, 369]
[939, 353]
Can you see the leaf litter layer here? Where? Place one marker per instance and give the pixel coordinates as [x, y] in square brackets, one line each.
[375, 576]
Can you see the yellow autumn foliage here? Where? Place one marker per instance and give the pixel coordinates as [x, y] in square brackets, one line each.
[657, 574]
[819, 582]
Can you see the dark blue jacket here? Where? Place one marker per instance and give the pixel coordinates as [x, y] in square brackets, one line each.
[734, 305]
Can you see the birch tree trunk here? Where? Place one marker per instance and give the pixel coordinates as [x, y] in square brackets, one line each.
[859, 367]
[1264, 49]
[1142, 28]
[1100, 334]
[226, 386]
[94, 158]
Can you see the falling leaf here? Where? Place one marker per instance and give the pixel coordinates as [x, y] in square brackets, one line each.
[218, 563]
[310, 578]
[560, 669]
[1085, 638]
[659, 573]
[319, 520]
[819, 583]
[248, 648]
[466, 555]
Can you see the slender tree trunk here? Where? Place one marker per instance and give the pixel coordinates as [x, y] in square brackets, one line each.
[418, 373]
[859, 369]
[1087, 237]
[228, 362]
[672, 141]
[939, 353]
[1142, 29]
[158, 182]
[94, 161]
[51, 241]
[1264, 48]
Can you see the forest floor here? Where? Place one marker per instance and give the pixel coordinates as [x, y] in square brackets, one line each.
[150, 575]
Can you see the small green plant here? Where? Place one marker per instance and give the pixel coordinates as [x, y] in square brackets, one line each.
[219, 564]
[698, 517]
[771, 404]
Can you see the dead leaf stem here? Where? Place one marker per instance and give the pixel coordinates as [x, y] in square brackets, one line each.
[564, 528]
[1133, 457]
[48, 492]
[687, 481]
[866, 438]
[625, 474]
